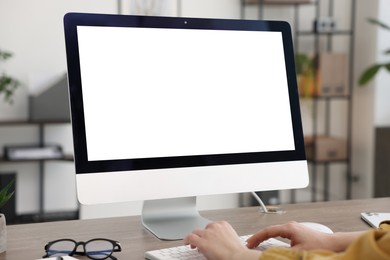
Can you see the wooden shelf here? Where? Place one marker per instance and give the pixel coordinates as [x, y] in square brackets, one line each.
[320, 151]
[28, 122]
[278, 2]
[45, 217]
[318, 97]
[335, 32]
[68, 158]
[41, 215]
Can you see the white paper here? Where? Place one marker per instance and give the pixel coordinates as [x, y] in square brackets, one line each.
[375, 218]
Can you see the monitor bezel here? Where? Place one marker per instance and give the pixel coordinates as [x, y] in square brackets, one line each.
[83, 165]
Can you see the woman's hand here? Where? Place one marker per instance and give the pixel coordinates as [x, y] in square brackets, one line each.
[304, 238]
[219, 241]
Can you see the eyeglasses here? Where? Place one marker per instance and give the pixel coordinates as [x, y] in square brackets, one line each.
[98, 248]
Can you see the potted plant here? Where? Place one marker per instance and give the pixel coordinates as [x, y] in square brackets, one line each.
[306, 75]
[371, 71]
[5, 195]
[8, 84]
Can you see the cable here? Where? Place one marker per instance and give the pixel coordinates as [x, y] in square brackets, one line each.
[264, 209]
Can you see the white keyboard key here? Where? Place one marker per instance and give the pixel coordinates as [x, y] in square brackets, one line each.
[185, 252]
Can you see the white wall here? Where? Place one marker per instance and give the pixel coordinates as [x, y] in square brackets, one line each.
[382, 81]
[32, 30]
[363, 102]
[210, 9]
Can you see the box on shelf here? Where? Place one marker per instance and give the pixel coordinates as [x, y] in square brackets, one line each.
[325, 148]
[324, 25]
[31, 152]
[52, 104]
[332, 74]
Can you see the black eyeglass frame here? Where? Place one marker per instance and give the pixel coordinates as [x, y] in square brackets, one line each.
[116, 247]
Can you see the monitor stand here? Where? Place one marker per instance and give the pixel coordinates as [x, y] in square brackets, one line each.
[172, 219]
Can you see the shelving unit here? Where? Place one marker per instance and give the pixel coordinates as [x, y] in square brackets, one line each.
[322, 42]
[41, 215]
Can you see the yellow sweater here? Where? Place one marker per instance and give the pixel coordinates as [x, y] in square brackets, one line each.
[373, 244]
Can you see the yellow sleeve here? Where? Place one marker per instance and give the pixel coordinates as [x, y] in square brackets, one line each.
[374, 244]
[385, 225]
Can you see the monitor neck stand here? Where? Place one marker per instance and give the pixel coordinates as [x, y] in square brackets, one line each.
[172, 219]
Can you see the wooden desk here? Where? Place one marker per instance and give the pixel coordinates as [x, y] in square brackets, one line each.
[27, 241]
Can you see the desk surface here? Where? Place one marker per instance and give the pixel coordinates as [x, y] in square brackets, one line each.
[27, 241]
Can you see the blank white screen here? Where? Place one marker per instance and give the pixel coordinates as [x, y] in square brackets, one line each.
[175, 92]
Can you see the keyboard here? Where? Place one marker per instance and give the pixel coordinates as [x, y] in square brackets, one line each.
[185, 252]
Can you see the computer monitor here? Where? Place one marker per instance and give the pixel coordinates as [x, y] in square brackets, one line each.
[164, 109]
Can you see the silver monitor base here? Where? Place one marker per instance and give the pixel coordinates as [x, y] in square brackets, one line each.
[172, 219]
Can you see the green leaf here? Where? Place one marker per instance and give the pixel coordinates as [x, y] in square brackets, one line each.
[302, 62]
[387, 66]
[5, 55]
[5, 195]
[8, 86]
[387, 51]
[369, 73]
[377, 22]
